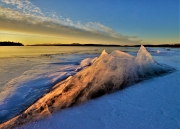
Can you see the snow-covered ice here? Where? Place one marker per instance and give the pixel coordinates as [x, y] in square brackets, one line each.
[109, 73]
[29, 78]
[151, 104]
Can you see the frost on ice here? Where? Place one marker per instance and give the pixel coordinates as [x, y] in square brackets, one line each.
[106, 74]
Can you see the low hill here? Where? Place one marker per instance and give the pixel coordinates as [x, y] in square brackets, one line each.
[7, 43]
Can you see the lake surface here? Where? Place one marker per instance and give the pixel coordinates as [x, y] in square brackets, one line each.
[26, 73]
[12, 51]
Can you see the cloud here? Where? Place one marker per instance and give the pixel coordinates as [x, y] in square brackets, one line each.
[26, 17]
[25, 5]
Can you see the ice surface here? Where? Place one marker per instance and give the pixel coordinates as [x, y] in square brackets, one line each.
[40, 74]
[151, 104]
[108, 73]
[32, 85]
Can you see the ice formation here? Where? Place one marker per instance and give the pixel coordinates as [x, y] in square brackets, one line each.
[107, 73]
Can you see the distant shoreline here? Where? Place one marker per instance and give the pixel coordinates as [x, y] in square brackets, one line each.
[108, 45]
[8, 43]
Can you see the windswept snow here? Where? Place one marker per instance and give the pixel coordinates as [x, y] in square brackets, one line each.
[107, 73]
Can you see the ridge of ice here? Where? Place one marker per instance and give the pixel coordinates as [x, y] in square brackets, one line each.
[143, 55]
[117, 53]
[108, 73]
[104, 53]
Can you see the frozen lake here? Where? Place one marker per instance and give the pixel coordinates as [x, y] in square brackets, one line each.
[26, 73]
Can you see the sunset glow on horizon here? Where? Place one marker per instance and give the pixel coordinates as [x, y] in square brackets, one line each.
[102, 22]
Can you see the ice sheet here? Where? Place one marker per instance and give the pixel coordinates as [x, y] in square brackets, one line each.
[149, 104]
[141, 67]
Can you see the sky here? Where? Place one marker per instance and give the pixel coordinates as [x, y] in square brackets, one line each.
[123, 22]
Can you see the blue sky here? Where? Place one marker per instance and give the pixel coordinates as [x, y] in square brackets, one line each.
[96, 21]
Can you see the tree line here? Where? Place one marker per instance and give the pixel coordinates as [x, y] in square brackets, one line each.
[9, 43]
